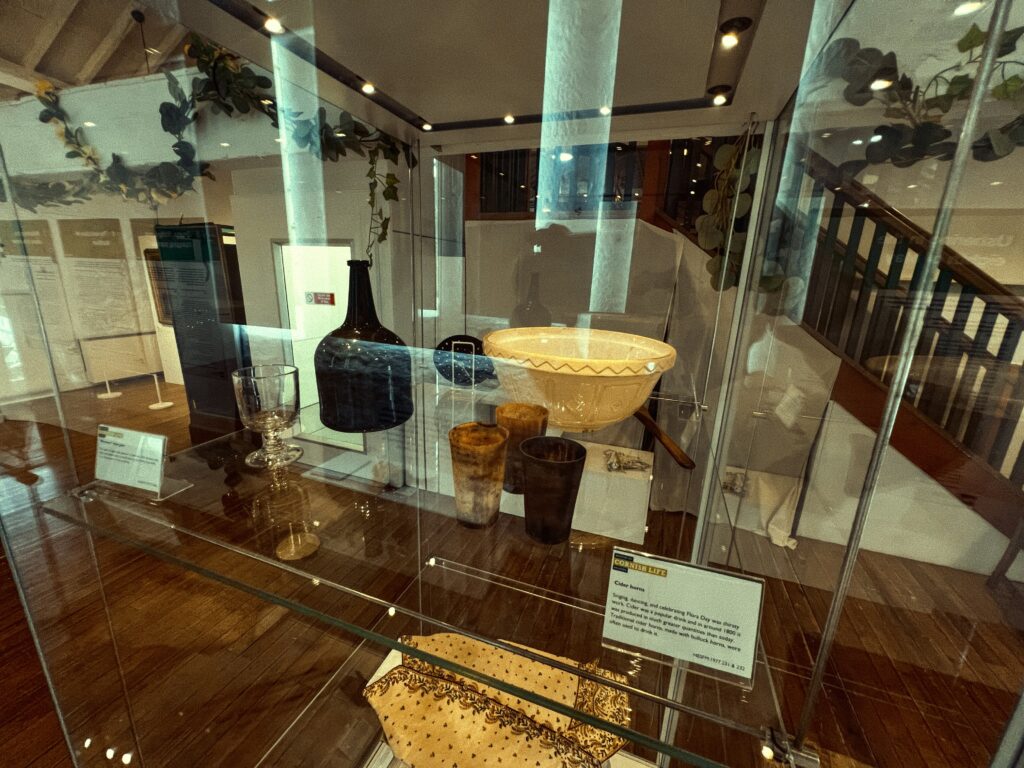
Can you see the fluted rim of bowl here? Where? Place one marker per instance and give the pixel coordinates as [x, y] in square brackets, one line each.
[661, 358]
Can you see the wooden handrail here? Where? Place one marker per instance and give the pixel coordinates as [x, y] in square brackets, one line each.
[879, 210]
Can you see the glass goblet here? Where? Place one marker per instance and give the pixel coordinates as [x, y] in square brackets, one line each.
[268, 403]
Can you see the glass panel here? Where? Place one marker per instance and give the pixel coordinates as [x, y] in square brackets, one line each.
[868, 143]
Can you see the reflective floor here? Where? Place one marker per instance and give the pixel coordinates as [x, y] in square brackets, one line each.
[924, 669]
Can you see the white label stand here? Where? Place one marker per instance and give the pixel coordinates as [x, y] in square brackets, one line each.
[126, 457]
[160, 403]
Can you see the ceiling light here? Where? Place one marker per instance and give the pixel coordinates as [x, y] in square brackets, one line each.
[368, 88]
[565, 157]
[699, 165]
[826, 134]
[266, 102]
[473, 156]
[865, 204]
[686, 151]
[522, 186]
[965, 9]
[694, 181]
[731, 30]
[605, 110]
[880, 84]
[274, 26]
[225, 144]
[428, 127]
[995, 183]
[692, 192]
[719, 94]
[339, 133]
[857, 142]
[767, 752]
[911, 186]
[509, 119]
[89, 124]
[876, 138]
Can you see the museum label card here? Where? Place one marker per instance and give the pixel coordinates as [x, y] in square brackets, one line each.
[695, 614]
[127, 457]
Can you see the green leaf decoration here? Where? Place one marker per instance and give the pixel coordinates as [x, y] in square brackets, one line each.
[710, 201]
[1008, 42]
[974, 38]
[709, 236]
[743, 203]
[1009, 88]
[1002, 144]
[723, 156]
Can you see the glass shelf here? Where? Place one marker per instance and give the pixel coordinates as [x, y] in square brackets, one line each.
[384, 565]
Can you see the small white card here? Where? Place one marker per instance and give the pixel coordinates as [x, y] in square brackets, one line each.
[696, 614]
[127, 457]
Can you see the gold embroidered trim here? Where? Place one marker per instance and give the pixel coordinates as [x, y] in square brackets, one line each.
[592, 698]
[563, 748]
[609, 704]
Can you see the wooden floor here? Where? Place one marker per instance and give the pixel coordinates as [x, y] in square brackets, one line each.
[926, 668]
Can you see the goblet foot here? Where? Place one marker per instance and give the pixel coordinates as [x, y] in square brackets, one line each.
[282, 457]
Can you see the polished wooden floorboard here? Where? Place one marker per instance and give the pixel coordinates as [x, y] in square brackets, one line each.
[926, 668]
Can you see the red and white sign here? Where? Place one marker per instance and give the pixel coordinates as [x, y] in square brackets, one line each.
[320, 298]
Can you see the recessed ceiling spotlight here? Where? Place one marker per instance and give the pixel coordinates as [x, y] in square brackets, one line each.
[89, 124]
[857, 142]
[509, 119]
[995, 183]
[428, 127]
[876, 138]
[522, 186]
[225, 144]
[719, 94]
[273, 25]
[368, 88]
[605, 110]
[965, 9]
[565, 157]
[731, 30]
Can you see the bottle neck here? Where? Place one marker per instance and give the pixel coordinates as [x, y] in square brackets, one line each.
[534, 293]
[361, 309]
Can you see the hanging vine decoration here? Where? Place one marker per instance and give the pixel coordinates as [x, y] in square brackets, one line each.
[230, 87]
[735, 169]
[918, 111]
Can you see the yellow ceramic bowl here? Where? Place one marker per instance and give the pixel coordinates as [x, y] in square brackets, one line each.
[587, 379]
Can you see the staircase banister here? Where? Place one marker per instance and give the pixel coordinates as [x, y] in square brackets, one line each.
[877, 209]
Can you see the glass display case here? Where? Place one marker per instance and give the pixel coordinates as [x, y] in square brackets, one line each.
[357, 414]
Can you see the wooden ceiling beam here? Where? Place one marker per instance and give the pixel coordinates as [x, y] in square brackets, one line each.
[106, 47]
[49, 28]
[166, 46]
[22, 78]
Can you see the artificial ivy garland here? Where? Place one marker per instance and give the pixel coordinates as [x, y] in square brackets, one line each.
[230, 87]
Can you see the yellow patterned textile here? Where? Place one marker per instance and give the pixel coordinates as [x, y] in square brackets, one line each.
[434, 718]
